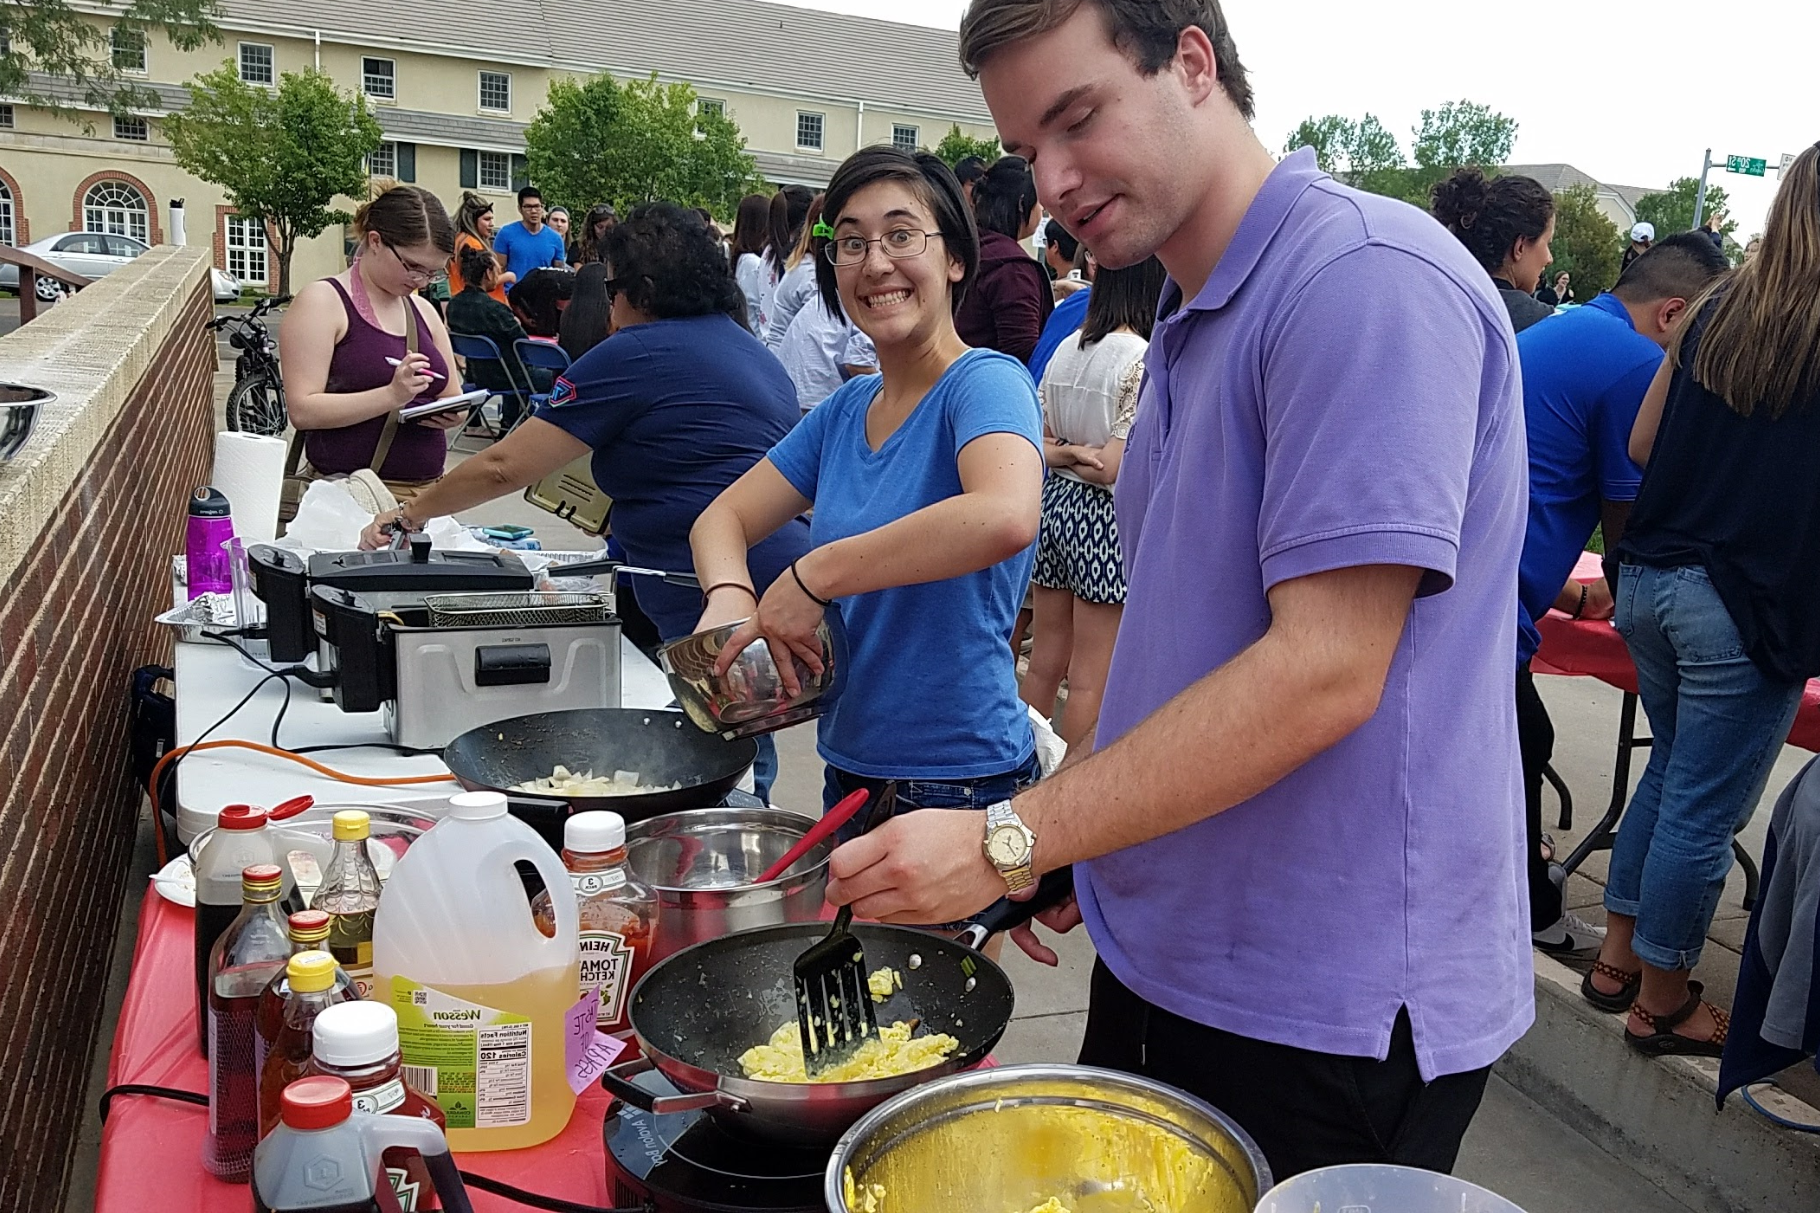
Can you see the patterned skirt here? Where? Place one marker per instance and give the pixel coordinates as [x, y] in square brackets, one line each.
[1078, 547]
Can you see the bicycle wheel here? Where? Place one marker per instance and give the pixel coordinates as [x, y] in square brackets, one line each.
[256, 406]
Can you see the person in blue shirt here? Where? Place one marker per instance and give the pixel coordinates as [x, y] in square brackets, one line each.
[926, 483]
[675, 406]
[530, 244]
[1584, 375]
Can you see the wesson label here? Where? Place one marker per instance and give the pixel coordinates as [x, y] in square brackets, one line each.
[606, 965]
[482, 1056]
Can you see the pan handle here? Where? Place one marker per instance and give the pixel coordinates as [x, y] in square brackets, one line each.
[1052, 890]
[617, 1081]
[608, 565]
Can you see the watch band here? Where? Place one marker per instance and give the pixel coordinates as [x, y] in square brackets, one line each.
[1021, 876]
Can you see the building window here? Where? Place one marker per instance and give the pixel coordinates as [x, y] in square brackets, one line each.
[903, 138]
[382, 161]
[246, 250]
[128, 45]
[6, 215]
[496, 92]
[379, 78]
[809, 130]
[118, 208]
[495, 171]
[711, 105]
[256, 63]
[6, 116]
[134, 129]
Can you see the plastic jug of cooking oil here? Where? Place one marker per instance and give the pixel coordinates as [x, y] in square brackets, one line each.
[483, 997]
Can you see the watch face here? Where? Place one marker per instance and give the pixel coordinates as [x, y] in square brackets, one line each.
[1007, 847]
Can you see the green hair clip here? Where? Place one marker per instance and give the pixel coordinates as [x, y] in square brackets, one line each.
[822, 230]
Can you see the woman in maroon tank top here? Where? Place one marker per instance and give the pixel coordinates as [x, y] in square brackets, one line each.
[343, 334]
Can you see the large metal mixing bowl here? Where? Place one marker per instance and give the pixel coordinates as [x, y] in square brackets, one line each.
[1013, 1137]
[749, 698]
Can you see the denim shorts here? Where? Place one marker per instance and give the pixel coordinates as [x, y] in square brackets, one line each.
[975, 794]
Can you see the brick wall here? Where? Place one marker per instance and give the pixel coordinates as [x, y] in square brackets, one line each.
[75, 621]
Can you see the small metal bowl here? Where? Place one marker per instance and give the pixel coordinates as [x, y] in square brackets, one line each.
[750, 698]
[19, 407]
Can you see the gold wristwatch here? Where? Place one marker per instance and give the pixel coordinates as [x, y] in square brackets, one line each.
[1008, 845]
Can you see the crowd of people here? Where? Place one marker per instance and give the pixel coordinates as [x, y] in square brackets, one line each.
[1252, 450]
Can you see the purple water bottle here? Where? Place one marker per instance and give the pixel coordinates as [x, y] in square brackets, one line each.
[211, 525]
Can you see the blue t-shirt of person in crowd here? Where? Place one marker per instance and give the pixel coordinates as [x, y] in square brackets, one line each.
[525, 252]
[930, 683]
[1584, 375]
[676, 410]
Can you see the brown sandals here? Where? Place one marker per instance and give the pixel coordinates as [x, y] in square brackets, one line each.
[1663, 1040]
[1628, 983]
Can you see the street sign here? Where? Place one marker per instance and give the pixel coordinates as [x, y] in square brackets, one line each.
[1788, 158]
[1750, 166]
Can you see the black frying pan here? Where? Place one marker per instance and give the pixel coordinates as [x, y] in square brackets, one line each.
[698, 1010]
[663, 747]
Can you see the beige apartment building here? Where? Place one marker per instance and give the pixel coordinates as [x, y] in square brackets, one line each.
[454, 84]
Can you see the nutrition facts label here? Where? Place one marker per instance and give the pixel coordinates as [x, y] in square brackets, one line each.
[502, 1079]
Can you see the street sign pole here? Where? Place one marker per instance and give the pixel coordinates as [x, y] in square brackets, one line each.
[1706, 166]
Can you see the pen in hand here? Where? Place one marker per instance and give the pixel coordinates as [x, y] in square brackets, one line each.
[426, 370]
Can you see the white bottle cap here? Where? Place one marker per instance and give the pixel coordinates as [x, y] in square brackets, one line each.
[352, 1034]
[478, 806]
[592, 833]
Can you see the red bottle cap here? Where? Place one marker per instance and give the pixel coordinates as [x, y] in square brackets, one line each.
[241, 817]
[320, 1102]
[261, 873]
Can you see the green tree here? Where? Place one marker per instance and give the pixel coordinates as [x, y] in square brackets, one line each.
[1362, 153]
[1329, 136]
[1673, 210]
[1586, 243]
[1462, 133]
[956, 146]
[50, 38]
[602, 141]
[281, 155]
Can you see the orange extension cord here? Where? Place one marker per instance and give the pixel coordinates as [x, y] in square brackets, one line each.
[319, 768]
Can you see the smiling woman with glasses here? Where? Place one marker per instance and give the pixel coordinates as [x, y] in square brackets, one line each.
[360, 346]
[926, 482]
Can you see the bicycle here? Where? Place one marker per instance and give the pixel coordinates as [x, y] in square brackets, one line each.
[255, 405]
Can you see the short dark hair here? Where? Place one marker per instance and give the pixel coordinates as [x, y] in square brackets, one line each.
[1123, 298]
[1488, 216]
[475, 264]
[538, 298]
[1060, 240]
[667, 263]
[1677, 266]
[1147, 31]
[969, 169]
[932, 181]
[1005, 196]
[526, 193]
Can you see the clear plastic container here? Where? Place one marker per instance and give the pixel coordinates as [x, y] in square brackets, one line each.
[482, 996]
[325, 1157]
[1379, 1188]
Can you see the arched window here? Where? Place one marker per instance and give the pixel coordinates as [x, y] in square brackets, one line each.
[117, 208]
[7, 233]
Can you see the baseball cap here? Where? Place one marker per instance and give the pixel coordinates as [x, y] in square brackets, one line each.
[1643, 231]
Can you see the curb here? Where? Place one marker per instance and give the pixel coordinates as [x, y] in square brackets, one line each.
[1656, 1114]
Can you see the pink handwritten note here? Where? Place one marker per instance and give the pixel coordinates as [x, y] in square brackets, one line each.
[588, 1050]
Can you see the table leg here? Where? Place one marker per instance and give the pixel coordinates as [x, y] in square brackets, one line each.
[1555, 781]
[1750, 873]
[1599, 838]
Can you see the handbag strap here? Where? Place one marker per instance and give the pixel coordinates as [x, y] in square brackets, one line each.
[411, 321]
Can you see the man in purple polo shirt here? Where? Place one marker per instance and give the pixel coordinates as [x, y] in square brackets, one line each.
[1297, 845]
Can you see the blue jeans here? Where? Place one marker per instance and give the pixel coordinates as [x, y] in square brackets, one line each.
[976, 794]
[764, 767]
[1717, 724]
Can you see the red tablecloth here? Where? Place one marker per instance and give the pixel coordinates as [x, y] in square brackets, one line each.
[151, 1149]
[1593, 647]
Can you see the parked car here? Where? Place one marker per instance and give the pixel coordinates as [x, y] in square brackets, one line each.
[95, 255]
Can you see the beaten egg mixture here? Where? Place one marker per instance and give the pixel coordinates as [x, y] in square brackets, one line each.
[871, 1198]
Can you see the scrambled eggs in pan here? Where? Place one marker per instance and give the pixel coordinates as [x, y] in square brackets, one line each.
[893, 1051]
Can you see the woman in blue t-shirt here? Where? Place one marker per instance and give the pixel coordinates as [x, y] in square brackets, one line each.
[675, 406]
[926, 483]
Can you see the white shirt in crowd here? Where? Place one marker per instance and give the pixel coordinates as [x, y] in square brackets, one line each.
[1090, 395]
[757, 279]
[794, 289]
[815, 349]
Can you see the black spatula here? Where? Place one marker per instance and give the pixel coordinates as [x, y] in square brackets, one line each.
[833, 1006]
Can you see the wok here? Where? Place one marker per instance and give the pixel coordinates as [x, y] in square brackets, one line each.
[697, 1011]
[663, 747]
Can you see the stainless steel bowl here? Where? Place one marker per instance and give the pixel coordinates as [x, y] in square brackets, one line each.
[750, 698]
[19, 407]
[705, 865]
[1100, 1140]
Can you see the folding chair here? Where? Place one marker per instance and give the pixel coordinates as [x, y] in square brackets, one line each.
[472, 348]
[542, 355]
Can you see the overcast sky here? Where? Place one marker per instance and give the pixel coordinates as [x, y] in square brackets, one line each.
[1615, 89]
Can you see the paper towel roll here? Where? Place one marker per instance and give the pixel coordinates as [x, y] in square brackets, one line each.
[249, 471]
